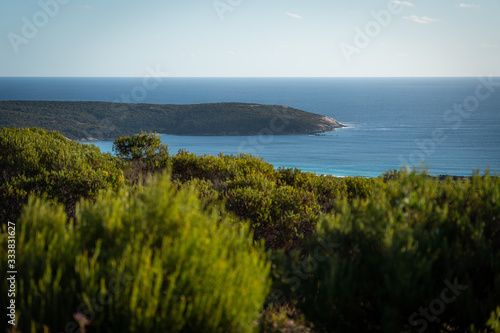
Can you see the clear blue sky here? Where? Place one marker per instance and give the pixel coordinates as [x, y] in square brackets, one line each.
[243, 38]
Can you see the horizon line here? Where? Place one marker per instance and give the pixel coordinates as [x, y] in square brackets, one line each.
[254, 77]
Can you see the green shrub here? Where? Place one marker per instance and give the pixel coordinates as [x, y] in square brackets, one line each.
[252, 204]
[218, 169]
[359, 187]
[144, 153]
[33, 161]
[327, 189]
[282, 215]
[397, 252]
[46, 251]
[296, 178]
[282, 205]
[143, 260]
[139, 146]
[208, 195]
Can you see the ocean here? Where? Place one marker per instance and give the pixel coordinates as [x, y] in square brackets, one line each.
[448, 125]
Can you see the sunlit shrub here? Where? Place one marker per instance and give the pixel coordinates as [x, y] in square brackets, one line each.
[143, 260]
[222, 168]
[33, 161]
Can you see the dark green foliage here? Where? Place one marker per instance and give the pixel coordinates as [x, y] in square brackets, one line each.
[35, 161]
[358, 187]
[328, 189]
[396, 250]
[282, 206]
[218, 169]
[282, 215]
[142, 260]
[205, 189]
[279, 213]
[107, 121]
[370, 254]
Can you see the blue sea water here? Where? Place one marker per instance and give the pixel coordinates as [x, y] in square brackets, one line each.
[451, 124]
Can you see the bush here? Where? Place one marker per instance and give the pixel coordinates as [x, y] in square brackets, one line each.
[33, 161]
[282, 215]
[143, 260]
[282, 206]
[327, 189]
[359, 187]
[218, 169]
[205, 189]
[144, 153]
[139, 146]
[396, 253]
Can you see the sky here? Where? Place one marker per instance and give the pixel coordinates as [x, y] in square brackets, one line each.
[249, 38]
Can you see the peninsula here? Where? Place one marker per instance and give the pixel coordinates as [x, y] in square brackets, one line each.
[90, 121]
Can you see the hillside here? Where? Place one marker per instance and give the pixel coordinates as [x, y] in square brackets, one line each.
[229, 243]
[87, 121]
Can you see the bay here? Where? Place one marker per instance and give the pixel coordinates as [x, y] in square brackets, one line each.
[392, 121]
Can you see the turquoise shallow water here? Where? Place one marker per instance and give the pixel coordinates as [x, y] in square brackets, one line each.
[392, 121]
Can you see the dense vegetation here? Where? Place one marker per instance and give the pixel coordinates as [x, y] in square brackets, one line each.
[86, 121]
[181, 248]
[34, 161]
[142, 260]
[398, 253]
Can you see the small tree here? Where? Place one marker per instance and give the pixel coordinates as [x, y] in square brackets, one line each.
[145, 152]
[139, 146]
